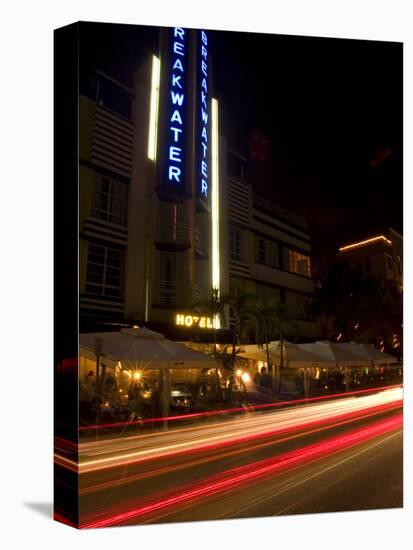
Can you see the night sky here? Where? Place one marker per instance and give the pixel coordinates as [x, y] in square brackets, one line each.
[330, 111]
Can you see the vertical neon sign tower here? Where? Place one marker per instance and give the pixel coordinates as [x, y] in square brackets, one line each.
[204, 115]
[182, 235]
[209, 158]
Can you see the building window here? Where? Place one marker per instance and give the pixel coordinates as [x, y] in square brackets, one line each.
[266, 252]
[267, 294]
[167, 280]
[299, 263]
[260, 250]
[298, 304]
[109, 199]
[235, 243]
[104, 275]
[111, 95]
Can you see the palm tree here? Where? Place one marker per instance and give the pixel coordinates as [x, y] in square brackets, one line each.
[283, 318]
[226, 356]
[262, 315]
[272, 320]
[359, 306]
[214, 307]
[383, 319]
[239, 302]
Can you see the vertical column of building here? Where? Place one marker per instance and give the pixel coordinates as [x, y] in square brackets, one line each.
[105, 165]
[142, 201]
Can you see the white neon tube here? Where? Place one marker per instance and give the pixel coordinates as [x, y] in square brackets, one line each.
[215, 201]
[154, 106]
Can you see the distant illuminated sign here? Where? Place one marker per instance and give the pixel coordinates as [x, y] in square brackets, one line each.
[364, 243]
[189, 320]
[177, 105]
[203, 102]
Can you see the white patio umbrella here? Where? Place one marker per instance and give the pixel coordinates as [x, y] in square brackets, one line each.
[358, 350]
[145, 346]
[297, 356]
[322, 356]
[150, 350]
[378, 357]
[359, 354]
[252, 351]
[335, 354]
[294, 355]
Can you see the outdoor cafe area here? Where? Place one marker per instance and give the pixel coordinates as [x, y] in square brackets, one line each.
[304, 370]
[139, 373]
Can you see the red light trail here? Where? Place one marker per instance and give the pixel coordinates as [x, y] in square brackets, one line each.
[235, 449]
[127, 451]
[234, 410]
[241, 475]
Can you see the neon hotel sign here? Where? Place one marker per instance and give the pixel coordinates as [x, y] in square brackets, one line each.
[185, 320]
[177, 94]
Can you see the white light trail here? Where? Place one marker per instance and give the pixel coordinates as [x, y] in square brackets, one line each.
[99, 455]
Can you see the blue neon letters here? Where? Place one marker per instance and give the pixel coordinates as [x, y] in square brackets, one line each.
[177, 90]
[204, 114]
[177, 105]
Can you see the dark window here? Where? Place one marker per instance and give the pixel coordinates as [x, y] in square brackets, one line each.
[267, 294]
[104, 274]
[298, 304]
[235, 243]
[261, 256]
[266, 252]
[114, 97]
[109, 201]
[167, 280]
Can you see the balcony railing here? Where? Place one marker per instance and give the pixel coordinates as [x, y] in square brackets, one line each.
[200, 244]
[174, 234]
[169, 293]
[262, 204]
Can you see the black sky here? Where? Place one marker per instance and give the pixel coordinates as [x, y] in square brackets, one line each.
[331, 109]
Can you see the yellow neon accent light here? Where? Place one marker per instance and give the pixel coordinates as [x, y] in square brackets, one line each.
[154, 107]
[215, 201]
[363, 243]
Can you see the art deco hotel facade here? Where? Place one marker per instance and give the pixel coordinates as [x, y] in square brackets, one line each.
[166, 213]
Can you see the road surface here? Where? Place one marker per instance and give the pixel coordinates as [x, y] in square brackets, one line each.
[343, 454]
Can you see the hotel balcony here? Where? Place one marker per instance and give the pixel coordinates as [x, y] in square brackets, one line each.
[200, 245]
[174, 237]
[169, 293]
